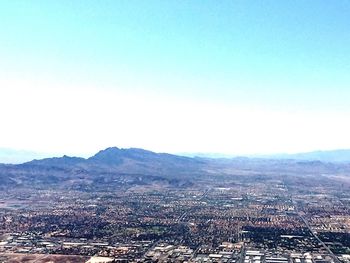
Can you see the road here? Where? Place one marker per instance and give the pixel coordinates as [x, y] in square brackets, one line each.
[314, 234]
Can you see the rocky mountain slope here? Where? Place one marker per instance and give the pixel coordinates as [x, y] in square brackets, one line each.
[123, 168]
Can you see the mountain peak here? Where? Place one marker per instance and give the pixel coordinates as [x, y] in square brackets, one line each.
[110, 155]
[115, 155]
[109, 150]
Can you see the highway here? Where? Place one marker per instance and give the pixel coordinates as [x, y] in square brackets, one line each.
[314, 234]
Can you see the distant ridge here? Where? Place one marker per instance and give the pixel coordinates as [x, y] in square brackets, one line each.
[19, 156]
[333, 156]
[209, 155]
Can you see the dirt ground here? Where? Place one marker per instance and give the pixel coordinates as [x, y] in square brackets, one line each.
[40, 258]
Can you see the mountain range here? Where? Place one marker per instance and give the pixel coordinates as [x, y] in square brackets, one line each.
[11, 156]
[115, 168]
[333, 156]
[112, 166]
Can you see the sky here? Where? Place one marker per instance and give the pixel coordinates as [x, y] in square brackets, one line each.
[232, 77]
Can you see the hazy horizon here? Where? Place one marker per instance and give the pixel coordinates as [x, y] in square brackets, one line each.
[17, 156]
[234, 77]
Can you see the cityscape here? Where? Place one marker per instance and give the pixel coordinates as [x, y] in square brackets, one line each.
[243, 218]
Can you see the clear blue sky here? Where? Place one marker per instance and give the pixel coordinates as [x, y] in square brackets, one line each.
[286, 60]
